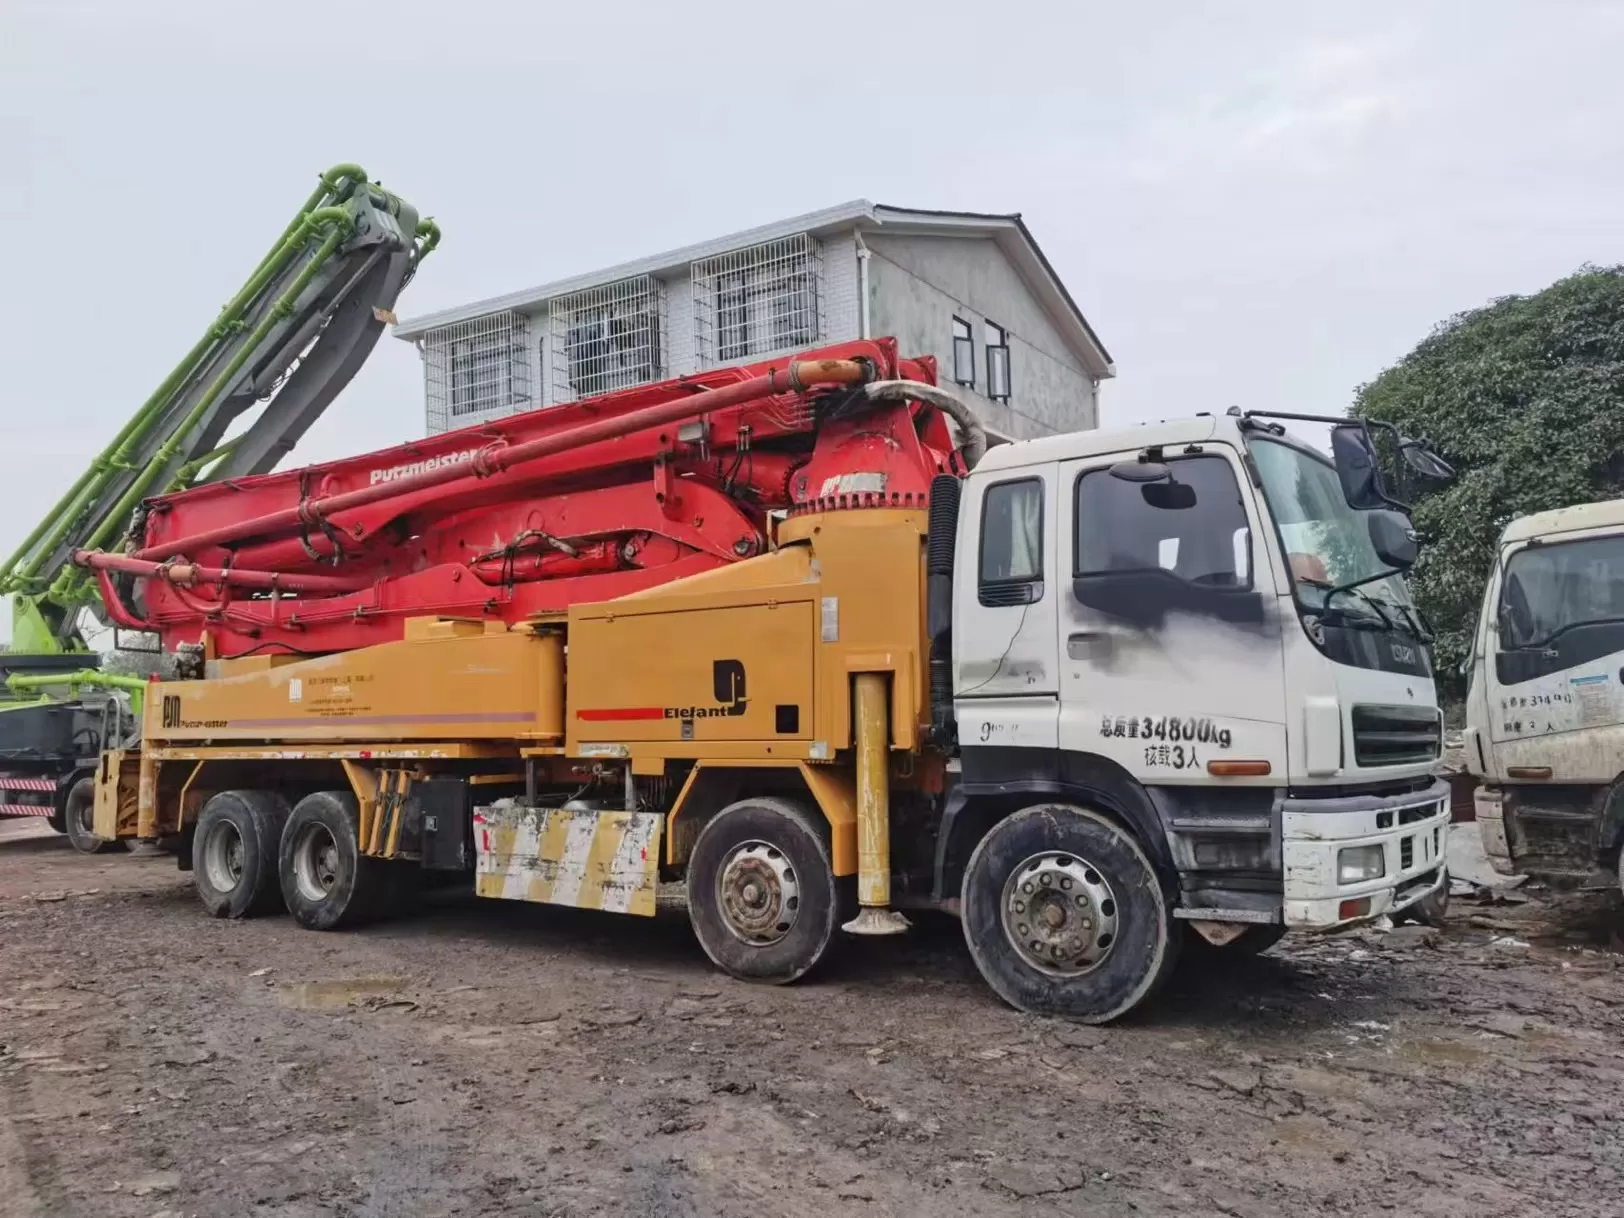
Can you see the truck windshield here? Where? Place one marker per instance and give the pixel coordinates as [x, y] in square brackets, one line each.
[1550, 589]
[1327, 543]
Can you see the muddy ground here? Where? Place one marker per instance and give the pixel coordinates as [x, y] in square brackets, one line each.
[483, 1058]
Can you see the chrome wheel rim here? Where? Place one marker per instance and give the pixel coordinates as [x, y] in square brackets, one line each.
[85, 817]
[315, 862]
[223, 853]
[1059, 914]
[758, 893]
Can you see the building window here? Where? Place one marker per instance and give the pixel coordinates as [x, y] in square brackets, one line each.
[757, 301]
[607, 338]
[997, 363]
[1012, 544]
[964, 353]
[478, 367]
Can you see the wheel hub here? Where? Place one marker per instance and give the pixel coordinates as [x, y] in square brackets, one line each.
[315, 862]
[758, 893]
[1059, 913]
[223, 857]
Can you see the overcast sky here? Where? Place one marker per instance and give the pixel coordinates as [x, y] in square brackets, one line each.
[1259, 203]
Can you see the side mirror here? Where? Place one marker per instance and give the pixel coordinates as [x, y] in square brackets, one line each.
[1427, 463]
[1393, 538]
[1357, 467]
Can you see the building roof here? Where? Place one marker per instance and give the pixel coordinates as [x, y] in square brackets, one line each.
[1009, 231]
[1609, 514]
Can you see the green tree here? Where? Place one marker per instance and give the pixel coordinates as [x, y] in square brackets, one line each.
[1525, 397]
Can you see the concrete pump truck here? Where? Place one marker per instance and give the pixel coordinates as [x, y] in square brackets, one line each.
[776, 634]
[242, 397]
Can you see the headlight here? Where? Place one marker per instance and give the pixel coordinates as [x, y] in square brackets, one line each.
[1356, 864]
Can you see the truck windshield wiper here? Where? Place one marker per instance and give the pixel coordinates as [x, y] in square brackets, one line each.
[1544, 643]
[1411, 616]
[1355, 623]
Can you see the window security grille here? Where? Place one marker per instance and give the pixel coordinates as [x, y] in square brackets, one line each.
[607, 338]
[475, 369]
[757, 301]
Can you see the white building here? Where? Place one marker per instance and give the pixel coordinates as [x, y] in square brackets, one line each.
[973, 290]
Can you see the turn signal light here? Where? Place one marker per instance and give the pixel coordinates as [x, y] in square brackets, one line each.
[1528, 771]
[1356, 908]
[1237, 769]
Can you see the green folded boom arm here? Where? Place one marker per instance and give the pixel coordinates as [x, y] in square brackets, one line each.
[252, 385]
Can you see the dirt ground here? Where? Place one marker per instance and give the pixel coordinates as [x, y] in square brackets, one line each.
[483, 1058]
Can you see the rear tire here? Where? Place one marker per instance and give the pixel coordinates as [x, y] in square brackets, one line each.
[762, 895]
[1066, 916]
[234, 853]
[327, 883]
[79, 819]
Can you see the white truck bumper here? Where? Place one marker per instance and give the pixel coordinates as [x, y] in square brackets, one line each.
[1411, 830]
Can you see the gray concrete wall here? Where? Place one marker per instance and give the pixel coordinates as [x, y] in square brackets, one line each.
[839, 303]
[918, 284]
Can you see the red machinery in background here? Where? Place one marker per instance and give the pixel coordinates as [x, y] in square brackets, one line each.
[532, 513]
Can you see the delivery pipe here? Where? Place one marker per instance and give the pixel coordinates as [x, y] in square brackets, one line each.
[496, 459]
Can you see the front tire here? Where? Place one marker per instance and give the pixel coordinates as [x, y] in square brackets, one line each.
[762, 895]
[234, 853]
[79, 819]
[327, 883]
[1066, 916]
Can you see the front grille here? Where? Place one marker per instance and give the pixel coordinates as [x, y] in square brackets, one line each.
[1396, 735]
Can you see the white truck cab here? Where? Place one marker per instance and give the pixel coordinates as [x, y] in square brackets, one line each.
[1545, 704]
[1189, 625]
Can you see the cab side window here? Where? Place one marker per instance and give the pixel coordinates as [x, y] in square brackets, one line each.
[1011, 560]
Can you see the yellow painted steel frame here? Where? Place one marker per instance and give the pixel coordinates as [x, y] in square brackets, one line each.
[754, 667]
[749, 667]
[831, 788]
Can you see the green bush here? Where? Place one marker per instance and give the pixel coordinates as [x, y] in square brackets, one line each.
[1525, 397]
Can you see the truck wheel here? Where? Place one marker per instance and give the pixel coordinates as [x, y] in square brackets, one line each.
[234, 853]
[79, 819]
[327, 882]
[762, 895]
[1066, 916]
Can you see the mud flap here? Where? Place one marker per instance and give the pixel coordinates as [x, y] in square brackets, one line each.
[587, 858]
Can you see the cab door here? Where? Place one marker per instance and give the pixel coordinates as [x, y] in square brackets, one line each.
[1169, 623]
[1005, 669]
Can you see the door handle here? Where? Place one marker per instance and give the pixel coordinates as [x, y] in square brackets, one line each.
[1086, 644]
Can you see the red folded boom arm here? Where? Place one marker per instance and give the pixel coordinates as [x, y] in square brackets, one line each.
[527, 514]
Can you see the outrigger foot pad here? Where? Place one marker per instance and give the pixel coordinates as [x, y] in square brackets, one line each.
[873, 920]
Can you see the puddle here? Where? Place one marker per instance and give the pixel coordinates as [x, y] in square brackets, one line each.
[1441, 1052]
[335, 995]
